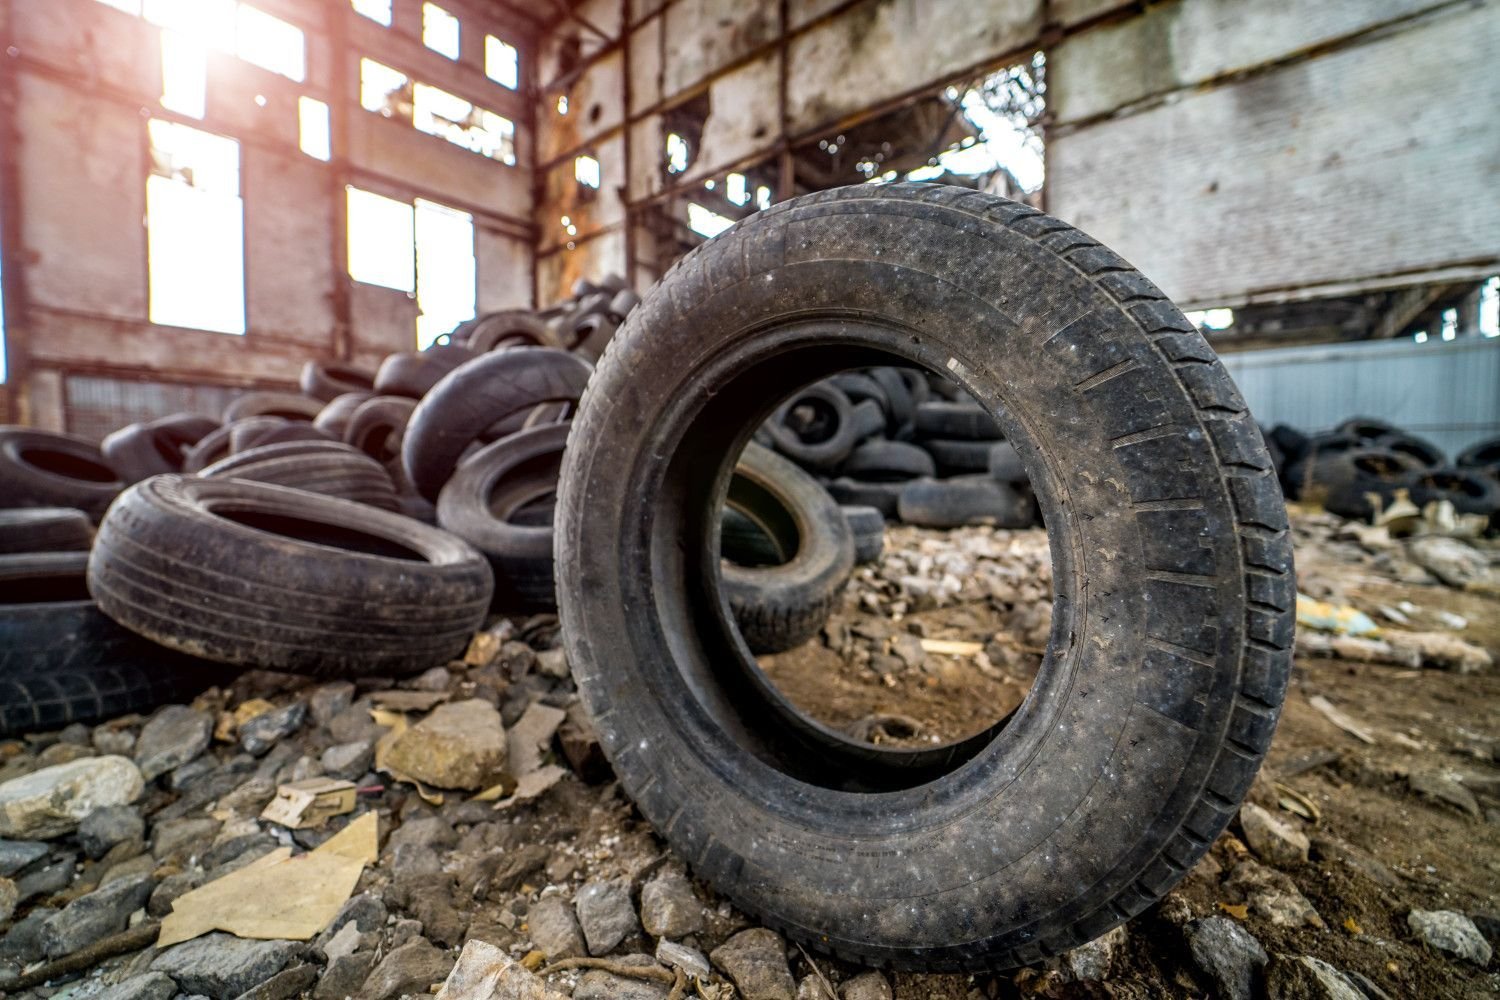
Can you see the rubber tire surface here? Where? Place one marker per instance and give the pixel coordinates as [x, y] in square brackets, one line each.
[1483, 455]
[1005, 464]
[151, 448]
[961, 500]
[169, 565]
[962, 420]
[880, 461]
[1351, 477]
[867, 524]
[960, 456]
[330, 468]
[884, 497]
[287, 405]
[413, 373]
[334, 417]
[327, 380]
[45, 529]
[76, 474]
[1469, 490]
[1164, 675]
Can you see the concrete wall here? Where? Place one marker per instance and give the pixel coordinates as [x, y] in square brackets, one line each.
[86, 78]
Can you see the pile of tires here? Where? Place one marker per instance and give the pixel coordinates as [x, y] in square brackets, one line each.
[1357, 469]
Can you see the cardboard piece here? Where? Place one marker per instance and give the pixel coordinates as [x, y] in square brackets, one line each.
[311, 803]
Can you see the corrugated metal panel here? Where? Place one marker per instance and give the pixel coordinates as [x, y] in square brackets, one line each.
[1448, 392]
[96, 406]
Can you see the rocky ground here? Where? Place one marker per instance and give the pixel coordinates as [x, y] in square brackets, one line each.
[1366, 864]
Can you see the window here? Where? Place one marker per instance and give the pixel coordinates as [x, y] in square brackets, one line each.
[677, 153]
[313, 133]
[378, 11]
[210, 23]
[380, 87]
[762, 197]
[381, 251]
[502, 63]
[271, 43]
[706, 223]
[440, 113]
[586, 171]
[195, 248]
[439, 30]
[129, 7]
[446, 270]
[184, 74]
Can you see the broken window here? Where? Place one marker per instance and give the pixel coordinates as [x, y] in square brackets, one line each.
[706, 223]
[381, 247]
[502, 63]
[440, 113]
[677, 153]
[586, 171]
[378, 11]
[382, 89]
[439, 30]
[195, 230]
[184, 74]
[446, 270]
[737, 189]
[762, 197]
[271, 43]
[1489, 308]
[313, 132]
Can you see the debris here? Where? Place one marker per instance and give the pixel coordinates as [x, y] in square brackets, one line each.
[95, 916]
[414, 967]
[528, 741]
[669, 908]
[1309, 978]
[1273, 840]
[54, 800]
[1442, 788]
[311, 803]
[174, 736]
[605, 913]
[1334, 618]
[874, 985]
[1454, 562]
[408, 701]
[278, 896]
[1089, 962]
[1229, 955]
[150, 986]
[1441, 650]
[10, 896]
[348, 760]
[460, 745]
[484, 972]
[1452, 933]
[1295, 802]
[228, 727]
[107, 826]
[222, 966]
[531, 785]
[554, 929]
[1340, 719]
[1269, 894]
[952, 647]
[679, 956]
[261, 733]
[755, 960]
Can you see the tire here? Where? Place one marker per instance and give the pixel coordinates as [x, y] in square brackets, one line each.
[412, 374]
[743, 541]
[779, 607]
[257, 432]
[868, 527]
[859, 386]
[279, 579]
[1292, 442]
[961, 500]
[63, 661]
[818, 427]
[470, 398]
[960, 456]
[1006, 465]
[962, 420]
[46, 469]
[136, 451]
[592, 334]
[328, 380]
[1172, 621]
[619, 307]
[884, 497]
[330, 468]
[333, 418]
[210, 448]
[511, 328]
[1322, 451]
[286, 405]
[1349, 480]
[1469, 490]
[880, 461]
[378, 426]
[901, 409]
[45, 529]
[1423, 452]
[479, 504]
[1366, 429]
[1483, 455]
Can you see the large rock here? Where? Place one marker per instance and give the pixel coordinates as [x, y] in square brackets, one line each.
[868, 986]
[412, 968]
[1452, 933]
[1308, 978]
[174, 736]
[17, 854]
[605, 914]
[95, 916]
[756, 960]
[1091, 961]
[669, 908]
[1274, 840]
[554, 929]
[51, 802]
[484, 972]
[460, 745]
[263, 732]
[104, 828]
[150, 986]
[1229, 955]
[344, 976]
[223, 966]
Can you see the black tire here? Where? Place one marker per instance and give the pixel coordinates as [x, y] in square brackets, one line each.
[328, 380]
[1366, 429]
[334, 417]
[1354, 483]
[592, 334]
[961, 500]
[511, 328]
[619, 307]
[817, 427]
[1006, 465]
[330, 468]
[1165, 672]
[1483, 455]
[136, 451]
[884, 497]
[859, 386]
[1306, 474]
[880, 461]
[901, 409]
[480, 502]
[963, 420]
[257, 432]
[412, 374]
[779, 607]
[470, 398]
[378, 426]
[868, 527]
[1420, 450]
[743, 541]
[45, 529]
[279, 579]
[1292, 442]
[286, 405]
[209, 449]
[63, 661]
[1469, 490]
[46, 469]
[959, 456]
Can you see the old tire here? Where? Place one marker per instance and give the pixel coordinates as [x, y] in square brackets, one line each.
[960, 456]
[868, 527]
[334, 417]
[818, 426]
[1358, 482]
[956, 419]
[1005, 464]
[328, 380]
[884, 497]
[257, 575]
[1469, 490]
[881, 461]
[412, 374]
[286, 405]
[1172, 617]
[45, 529]
[136, 451]
[46, 469]
[330, 468]
[961, 500]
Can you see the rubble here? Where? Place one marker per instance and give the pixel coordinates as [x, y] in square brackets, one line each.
[52, 801]
[1274, 840]
[460, 745]
[1452, 933]
[1229, 955]
[223, 966]
[755, 960]
[606, 914]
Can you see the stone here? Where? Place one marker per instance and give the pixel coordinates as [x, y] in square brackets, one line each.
[1454, 562]
[183, 834]
[149, 986]
[10, 898]
[349, 761]
[412, 968]
[596, 984]
[344, 976]
[106, 827]
[866, 986]
[433, 679]
[554, 930]
[17, 854]
[263, 732]
[669, 907]
[96, 915]
[755, 960]
[908, 649]
[174, 736]
[401, 932]
[459, 745]
[1274, 840]
[346, 941]
[365, 911]
[1090, 962]
[222, 966]
[354, 723]
[1228, 955]
[1441, 650]
[553, 663]
[52, 801]
[484, 972]
[169, 890]
[47, 880]
[424, 831]
[118, 742]
[1271, 895]
[1451, 933]
[289, 982]
[605, 914]
[22, 944]
[329, 700]
[415, 861]
[1441, 788]
[140, 864]
[691, 961]
[1308, 978]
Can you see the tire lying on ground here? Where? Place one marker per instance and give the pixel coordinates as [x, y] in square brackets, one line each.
[326, 467]
[868, 527]
[46, 469]
[45, 529]
[818, 427]
[880, 461]
[327, 380]
[962, 420]
[1469, 490]
[960, 456]
[1357, 483]
[961, 500]
[136, 451]
[335, 414]
[412, 374]
[884, 497]
[286, 405]
[258, 575]
[63, 661]
[1484, 456]
[1172, 617]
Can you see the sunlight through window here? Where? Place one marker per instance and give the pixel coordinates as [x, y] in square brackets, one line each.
[586, 171]
[381, 248]
[271, 43]
[313, 134]
[439, 30]
[184, 74]
[502, 63]
[706, 223]
[378, 11]
[446, 270]
[380, 87]
[437, 112]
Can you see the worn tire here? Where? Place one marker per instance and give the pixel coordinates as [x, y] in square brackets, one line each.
[286, 405]
[412, 373]
[479, 504]
[1005, 464]
[1351, 479]
[328, 380]
[959, 456]
[961, 500]
[330, 468]
[884, 497]
[1172, 620]
[45, 529]
[46, 469]
[334, 417]
[956, 419]
[818, 426]
[511, 328]
[1469, 490]
[868, 527]
[880, 461]
[136, 451]
[454, 414]
[280, 579]
[1424, 452]
[1485, 455]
